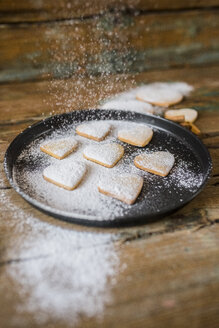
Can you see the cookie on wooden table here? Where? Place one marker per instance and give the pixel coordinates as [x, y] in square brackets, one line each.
[181, 115]
[160, 162]
[182, 87]
[59, 148]
[94, 130]
[125, 187]
[105, 154]
[159, 95]
[191, 127]
[67, 175]
[132, 105]
[139, 135]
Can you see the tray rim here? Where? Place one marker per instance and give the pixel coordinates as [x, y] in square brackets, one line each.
[90, 220]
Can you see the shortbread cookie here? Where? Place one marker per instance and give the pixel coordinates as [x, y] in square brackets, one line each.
[94, 130]
[125, 187]
[129, 105]
[59, 148]
[159, 95]
[139, 135]
[182, 87]
[107, 154]
[191, 127]
[182, 115]
[67, 175]
[160, 162]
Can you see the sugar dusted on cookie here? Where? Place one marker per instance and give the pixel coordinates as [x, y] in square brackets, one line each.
[59, 148]
[181, 115]
[159, 95]
[159, 163]
[133, 105]
[96, 130]
[104, 154]
[124, 187]
[67, 175]
[138, 135]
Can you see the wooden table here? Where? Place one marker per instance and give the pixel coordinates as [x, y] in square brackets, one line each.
[162, 274]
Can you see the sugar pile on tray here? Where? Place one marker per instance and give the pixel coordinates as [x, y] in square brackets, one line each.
[86, 201]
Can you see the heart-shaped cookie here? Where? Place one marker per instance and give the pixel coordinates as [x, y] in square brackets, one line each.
[159, 95]
[160, 162]
[67, 175]
[132, 105]
[106, 154]
[181, 115]
[59, 148]
[138, 135]
[125, 187]
[94, 130]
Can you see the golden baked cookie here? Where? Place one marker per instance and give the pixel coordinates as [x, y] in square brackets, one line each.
[94, 130]
[105, 154]
[160, 162]
[139, 135]
[124, 187]
[159, 95]
[132, 105]
[67, 175]
[181, 115]
[60, 148]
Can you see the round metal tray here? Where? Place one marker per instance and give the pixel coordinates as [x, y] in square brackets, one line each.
[151, 204]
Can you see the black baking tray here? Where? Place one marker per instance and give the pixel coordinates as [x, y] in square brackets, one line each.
[167, 136]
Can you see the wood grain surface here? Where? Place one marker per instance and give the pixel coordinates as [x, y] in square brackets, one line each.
[115, 42]
[55, 274]
[36, 10]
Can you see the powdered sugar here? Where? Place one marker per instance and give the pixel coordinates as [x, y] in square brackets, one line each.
[139, 136]
[124, 187]
[184, 88]
[160, 162]
[60, 147]
[132, 105]
[67, 174]
[94, 130]
[61, 273]
[86, 202]
[159, 95]
[127, 100]
[190, 115]
[105, 154]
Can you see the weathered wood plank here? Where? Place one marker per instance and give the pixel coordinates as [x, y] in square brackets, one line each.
[182, 291]
[166, 279]
[108, 44]
[35, 10]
